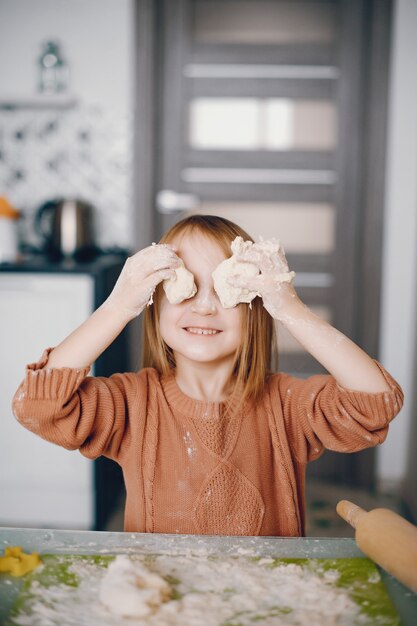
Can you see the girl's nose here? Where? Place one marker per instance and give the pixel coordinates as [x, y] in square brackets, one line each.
[204, 303]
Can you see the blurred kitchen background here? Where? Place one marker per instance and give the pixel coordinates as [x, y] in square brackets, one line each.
[297, 119]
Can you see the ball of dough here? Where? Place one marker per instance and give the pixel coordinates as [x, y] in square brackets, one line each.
[129, 589]
[181, 287]
[231, 296]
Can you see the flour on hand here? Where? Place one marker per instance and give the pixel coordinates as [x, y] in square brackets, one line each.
[129, 589]
[181, 287]
[237, 268]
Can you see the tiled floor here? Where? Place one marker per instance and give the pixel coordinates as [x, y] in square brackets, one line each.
[321, 500]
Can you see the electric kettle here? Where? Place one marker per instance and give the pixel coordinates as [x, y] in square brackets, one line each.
[66, 227]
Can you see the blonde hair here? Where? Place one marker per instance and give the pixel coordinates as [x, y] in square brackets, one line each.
[253, 358]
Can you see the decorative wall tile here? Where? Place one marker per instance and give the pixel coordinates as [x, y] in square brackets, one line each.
[82, 152]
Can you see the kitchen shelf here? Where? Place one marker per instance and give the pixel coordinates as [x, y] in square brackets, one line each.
[38, 101]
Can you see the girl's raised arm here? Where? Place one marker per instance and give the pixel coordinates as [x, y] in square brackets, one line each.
[132, 292]
[351, 366]
[342, 358]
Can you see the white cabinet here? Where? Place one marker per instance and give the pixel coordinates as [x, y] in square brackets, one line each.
[41, 485]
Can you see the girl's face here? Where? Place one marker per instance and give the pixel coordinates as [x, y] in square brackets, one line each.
[200, 329]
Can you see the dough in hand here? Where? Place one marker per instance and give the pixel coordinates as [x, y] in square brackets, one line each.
[182, 287]
[129, 589]
[231, 296]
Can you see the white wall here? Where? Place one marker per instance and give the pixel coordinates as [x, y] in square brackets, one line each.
[399, 293]
[97, 41]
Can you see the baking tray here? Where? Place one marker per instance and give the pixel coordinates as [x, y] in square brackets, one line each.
[112, 543]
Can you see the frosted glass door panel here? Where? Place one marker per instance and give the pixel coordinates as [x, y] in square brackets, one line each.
[299, 124]
[224, 123]
[261, 124]
[264, 22]
[301, 228]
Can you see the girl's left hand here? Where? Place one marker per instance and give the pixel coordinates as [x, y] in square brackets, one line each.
[273, 283]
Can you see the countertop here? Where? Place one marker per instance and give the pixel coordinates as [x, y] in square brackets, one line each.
[43, 263]
[90, 542]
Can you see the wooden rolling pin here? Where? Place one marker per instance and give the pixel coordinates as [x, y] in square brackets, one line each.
[387, 538]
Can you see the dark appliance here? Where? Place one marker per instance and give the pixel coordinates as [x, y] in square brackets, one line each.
[66, 228]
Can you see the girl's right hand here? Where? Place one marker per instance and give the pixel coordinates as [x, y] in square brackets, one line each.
[139, 277]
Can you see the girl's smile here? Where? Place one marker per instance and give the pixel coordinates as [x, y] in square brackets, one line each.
[202, 331]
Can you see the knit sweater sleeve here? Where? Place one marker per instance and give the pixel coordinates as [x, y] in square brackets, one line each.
[318, 413]
[70, 409]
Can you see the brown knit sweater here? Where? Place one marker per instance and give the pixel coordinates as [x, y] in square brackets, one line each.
[200, 467]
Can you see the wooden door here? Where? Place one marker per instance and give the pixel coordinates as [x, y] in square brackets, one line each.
[262, 118]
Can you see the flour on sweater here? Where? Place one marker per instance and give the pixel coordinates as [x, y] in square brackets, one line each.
[246, 473]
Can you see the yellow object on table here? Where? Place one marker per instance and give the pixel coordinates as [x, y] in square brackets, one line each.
[7, 209]
[17, 563]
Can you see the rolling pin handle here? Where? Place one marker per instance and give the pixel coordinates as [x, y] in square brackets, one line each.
[350, 512]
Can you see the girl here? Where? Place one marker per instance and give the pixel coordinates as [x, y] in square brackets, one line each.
[209, 440]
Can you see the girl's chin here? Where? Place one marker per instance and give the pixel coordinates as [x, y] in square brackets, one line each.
[201, 356]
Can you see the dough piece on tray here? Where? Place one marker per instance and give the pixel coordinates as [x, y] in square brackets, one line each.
[129, 589]
[231, 296]
[182, 287]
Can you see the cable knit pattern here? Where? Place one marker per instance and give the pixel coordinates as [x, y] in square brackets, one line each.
[192, 466]
[218, 435]
[148, 462]
[227, 499]
[228, 504]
